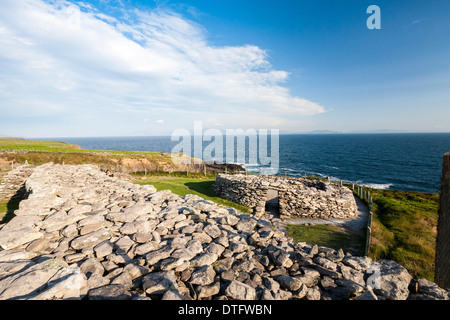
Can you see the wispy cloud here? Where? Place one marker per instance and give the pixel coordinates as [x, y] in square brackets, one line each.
[414, 22]
[98, 73]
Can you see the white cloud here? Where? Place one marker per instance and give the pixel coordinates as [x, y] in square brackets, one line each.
[58, 61]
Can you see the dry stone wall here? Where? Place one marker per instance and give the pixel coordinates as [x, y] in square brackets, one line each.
[297, 197]
[13, 183]
[249, 191]
[83, 235]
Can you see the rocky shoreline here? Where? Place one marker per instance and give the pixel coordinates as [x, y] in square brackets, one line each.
[83, 235]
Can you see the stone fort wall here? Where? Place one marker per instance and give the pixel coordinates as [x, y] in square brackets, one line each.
[297, 197]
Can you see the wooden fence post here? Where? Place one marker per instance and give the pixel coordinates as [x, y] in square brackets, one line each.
[442, 261]
[369, 231]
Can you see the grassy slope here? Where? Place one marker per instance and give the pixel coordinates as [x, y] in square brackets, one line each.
[404, 230]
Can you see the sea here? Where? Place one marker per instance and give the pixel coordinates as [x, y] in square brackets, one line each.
[395, 161]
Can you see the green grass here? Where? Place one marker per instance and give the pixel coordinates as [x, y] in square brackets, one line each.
[196, 184]
[404, 230]
[3, 207]
[326, 235]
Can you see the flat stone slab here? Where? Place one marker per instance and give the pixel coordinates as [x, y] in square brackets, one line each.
[10, 239]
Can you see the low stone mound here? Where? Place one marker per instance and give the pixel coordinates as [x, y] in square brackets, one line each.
[83, 235]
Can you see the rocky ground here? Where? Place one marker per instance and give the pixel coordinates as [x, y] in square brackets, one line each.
[84, 235]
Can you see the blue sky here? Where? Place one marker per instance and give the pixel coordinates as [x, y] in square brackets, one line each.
[143, 68]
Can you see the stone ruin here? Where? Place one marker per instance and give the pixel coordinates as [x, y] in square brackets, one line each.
[83, 235]
[297, 197]
[12, 186]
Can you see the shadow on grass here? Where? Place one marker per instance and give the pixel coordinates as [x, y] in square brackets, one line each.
[327, 236]
[203, 187]
[10, 207]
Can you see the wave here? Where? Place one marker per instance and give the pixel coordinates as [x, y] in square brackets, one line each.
[379, 186]
[250, 164]
[335, 179]
[335, 168]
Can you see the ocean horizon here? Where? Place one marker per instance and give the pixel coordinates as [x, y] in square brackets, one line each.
[394, 161]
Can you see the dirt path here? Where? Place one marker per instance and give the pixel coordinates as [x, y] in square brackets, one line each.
[355, 225]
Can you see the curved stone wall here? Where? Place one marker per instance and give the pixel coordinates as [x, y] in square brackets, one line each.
[297, 197]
